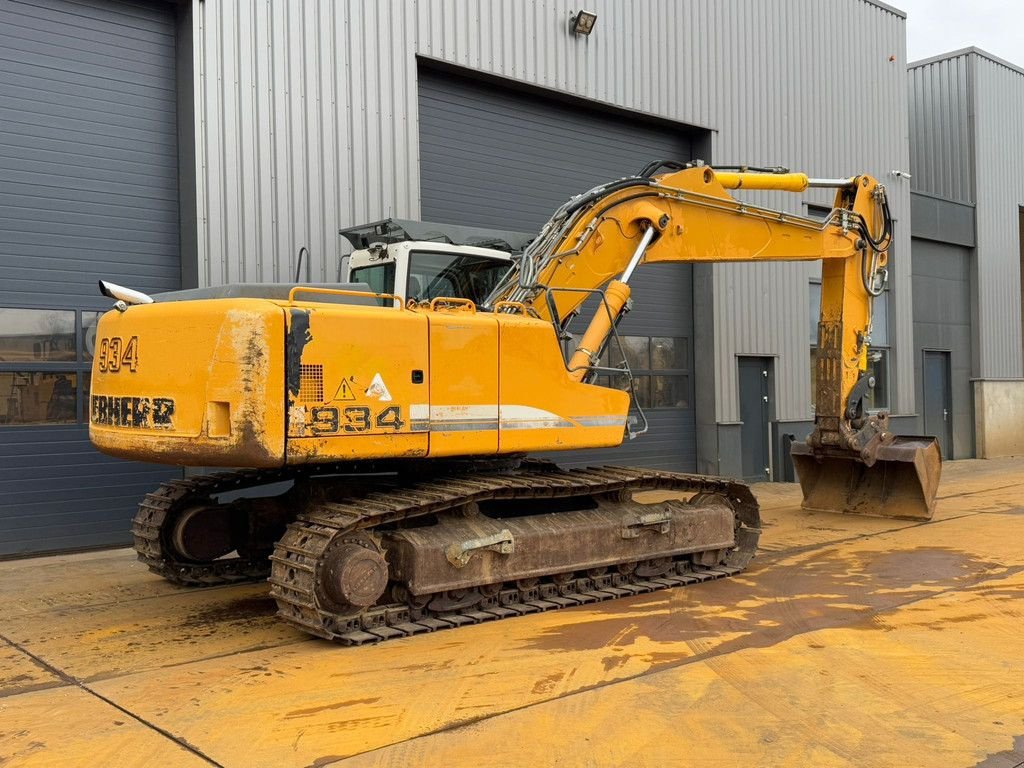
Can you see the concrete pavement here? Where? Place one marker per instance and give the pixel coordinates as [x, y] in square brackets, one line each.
[849, 641]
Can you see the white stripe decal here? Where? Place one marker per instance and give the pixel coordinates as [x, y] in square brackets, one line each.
[528, 417]
[451, 418]
[600, 421]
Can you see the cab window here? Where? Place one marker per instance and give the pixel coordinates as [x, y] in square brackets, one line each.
[380, 277]
[455, 275]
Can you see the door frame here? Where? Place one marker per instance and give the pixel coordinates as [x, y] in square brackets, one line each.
[948, 405]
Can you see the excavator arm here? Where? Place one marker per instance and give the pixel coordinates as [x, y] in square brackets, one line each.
[851, 462]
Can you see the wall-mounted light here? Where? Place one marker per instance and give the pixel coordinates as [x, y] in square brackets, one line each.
[582, 22]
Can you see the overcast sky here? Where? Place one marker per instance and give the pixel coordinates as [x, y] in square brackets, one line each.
[940, 26]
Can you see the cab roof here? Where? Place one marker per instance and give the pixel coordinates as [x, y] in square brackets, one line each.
[390, 231]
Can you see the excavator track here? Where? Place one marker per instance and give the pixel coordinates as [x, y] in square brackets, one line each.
[157, 511]
[301, 553]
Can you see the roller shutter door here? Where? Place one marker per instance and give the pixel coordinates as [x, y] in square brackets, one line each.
[88, 189]
[502, 158]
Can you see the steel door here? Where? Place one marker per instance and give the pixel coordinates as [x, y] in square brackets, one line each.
[755, 414]
[938, 416]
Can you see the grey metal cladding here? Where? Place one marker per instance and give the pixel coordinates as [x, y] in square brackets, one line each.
[88, 189]
[968, 138]
[999, 191]
[88, 157]
[934, 218]
[58, 492]
[494, 156]
[940, 143]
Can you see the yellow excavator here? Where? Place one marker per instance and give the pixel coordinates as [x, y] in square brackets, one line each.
[383, 426]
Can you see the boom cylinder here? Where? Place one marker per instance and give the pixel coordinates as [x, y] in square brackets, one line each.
[785, 182]
[616, 296]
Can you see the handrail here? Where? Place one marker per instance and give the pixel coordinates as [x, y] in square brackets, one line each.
[338, 292]
[452, 301]
[499, 306]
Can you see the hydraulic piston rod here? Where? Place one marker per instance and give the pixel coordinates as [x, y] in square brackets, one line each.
[616, 295]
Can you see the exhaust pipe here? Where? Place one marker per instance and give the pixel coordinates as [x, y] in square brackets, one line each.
[127, 295]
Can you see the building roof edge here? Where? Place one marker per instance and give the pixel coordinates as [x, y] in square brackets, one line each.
[972, 49]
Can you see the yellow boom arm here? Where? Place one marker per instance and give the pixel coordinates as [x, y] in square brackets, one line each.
[595, 242]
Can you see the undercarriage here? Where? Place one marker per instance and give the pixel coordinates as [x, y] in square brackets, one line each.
[363, 553]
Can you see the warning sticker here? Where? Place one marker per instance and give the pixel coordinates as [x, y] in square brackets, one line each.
[345, 391]
[378, 389]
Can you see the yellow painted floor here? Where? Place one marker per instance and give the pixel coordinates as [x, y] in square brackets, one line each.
[849, 641]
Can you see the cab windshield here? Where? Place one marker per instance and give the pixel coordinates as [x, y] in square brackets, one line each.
[454, 275]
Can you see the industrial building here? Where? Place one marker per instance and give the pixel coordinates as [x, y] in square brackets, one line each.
[967, 223]
[165, 145]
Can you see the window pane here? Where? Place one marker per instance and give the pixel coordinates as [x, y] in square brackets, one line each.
[821, 212]
[456, 276]
[37, 335]
[815, 310]
[670, 354]
[89, 322]
[880, 321]
[879, 396]
[380, 277]
[86, 388]
[670, 391]
[637, 352]
[641, 386]
[37, 398]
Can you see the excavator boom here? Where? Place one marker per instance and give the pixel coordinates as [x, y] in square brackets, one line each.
[851, 462]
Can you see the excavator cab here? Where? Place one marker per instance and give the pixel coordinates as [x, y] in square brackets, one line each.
[423, 271]
[422, 261]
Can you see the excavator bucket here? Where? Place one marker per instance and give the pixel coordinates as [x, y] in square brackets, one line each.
[901, 483]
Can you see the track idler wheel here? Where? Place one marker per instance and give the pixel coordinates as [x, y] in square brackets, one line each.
[353, 574]
[203, 533]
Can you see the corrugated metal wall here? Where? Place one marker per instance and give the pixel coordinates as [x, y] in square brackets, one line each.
[306, 122]
[940, 150]
[88, 190]
[968, 145]
[999, 159]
